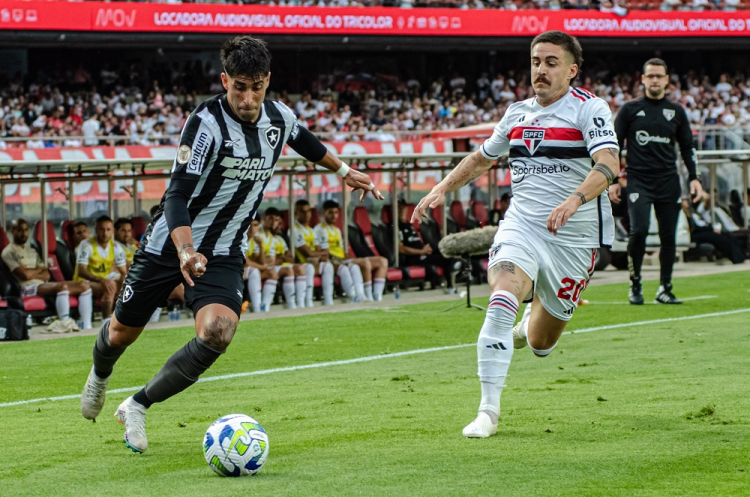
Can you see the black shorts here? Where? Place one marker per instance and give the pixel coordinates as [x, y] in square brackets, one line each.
[152, 278]
[665, 190]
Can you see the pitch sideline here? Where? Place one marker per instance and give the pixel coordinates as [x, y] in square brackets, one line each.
[382, 356]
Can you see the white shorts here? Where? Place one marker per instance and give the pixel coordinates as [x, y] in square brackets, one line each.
[560, 273]
[29, 291]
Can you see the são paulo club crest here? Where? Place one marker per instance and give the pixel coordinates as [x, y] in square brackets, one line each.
[533, 138]
[668, 114]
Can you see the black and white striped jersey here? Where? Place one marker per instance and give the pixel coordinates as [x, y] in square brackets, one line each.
[231, 163]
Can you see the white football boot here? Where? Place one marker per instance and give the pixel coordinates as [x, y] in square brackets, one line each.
[482, 427]
[92, 397]
[133, 416]
[519, 340]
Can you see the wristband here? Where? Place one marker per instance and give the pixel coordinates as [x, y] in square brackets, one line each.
[581, 196]
[343, 170]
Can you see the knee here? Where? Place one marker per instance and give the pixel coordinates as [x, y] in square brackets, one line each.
[85, 286]
[62, 287]
[541, 346]
[382, 262]
[219, 332]
[638, 232]
[367, 266]
[299, 270]
[273, 275]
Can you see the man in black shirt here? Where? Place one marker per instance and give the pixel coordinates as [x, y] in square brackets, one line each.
[652, 126]
[413, 251]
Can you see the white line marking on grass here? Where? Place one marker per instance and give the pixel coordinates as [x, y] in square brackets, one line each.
[653, 321]
[377, 357]
[262, 372]
[686, 299]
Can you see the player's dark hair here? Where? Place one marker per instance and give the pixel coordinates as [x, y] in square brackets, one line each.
[19, 222]
[656, 62]
[301, 203]
[153, 210]
[330, 204]
[103, 219]
[80, 223]
[121, 221]
[272, 211]
[568, 43]
[245, 56]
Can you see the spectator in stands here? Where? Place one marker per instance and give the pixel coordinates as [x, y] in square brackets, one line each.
[91, 129]
[102, 263]
[28, 268]
[413, 251]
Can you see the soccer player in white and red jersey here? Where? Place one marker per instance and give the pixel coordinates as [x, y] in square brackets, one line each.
[560, 214]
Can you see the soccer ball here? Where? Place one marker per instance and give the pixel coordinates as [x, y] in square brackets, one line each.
[235, 445]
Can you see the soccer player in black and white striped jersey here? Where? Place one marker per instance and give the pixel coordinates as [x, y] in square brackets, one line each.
[228, 150]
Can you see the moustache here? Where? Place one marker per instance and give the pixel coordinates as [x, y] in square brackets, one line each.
[541, 80]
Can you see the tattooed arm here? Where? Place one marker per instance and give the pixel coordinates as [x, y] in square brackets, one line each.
[471, 167]
[602, 175]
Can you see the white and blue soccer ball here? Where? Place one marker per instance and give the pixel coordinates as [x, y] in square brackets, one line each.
[235, 445]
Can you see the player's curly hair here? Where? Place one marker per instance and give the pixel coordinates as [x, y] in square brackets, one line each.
[569, 43]
[245, 56]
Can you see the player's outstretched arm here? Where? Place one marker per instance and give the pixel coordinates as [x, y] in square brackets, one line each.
[471, 167]
[602, 175]
[357, 180]
[304, 143]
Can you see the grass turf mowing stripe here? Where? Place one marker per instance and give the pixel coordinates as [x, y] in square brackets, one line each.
[377, 357]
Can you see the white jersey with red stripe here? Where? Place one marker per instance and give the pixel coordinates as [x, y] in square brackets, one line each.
[549, 153]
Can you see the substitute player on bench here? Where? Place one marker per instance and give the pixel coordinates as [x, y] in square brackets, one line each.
[560, 213]
[228, 150]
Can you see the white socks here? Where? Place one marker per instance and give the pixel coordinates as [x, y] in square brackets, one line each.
[358, 282]
[269, 290]
[368, 290]
[345, 275]
[254, 288]
[310, 278]
[288, 287]
[326, 273]
[86, 308]
[62, 303]
[378, 285]
[495, 350]
[300, 290]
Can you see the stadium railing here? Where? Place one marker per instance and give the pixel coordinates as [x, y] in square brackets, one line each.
[400, 167]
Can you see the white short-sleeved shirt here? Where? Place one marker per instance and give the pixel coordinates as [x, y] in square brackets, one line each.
[549, 153]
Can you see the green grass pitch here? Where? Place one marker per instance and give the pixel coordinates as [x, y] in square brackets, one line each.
[651, 409]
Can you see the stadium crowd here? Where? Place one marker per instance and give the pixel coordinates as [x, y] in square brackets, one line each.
[72, 107]
[619, 7]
